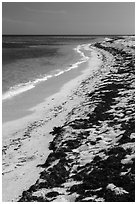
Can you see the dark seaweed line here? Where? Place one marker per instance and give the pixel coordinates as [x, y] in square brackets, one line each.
[105, 178]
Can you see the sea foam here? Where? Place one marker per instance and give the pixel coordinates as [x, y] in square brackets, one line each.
[23, 87]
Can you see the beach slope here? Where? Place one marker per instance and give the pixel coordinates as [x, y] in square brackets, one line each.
[91, 131]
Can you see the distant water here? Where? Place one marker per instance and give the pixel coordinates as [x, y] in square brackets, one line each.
[28, 60]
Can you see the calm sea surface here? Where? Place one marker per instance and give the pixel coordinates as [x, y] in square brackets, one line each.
[27, 60]
[36, 67]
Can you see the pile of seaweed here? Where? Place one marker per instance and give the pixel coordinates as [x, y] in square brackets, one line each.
[92, 156]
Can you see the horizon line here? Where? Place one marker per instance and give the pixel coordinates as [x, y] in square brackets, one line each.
[66, 34]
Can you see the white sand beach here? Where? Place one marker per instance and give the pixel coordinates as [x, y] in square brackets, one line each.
[26, 140]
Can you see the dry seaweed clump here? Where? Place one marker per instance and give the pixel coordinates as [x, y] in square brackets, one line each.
[93, 157]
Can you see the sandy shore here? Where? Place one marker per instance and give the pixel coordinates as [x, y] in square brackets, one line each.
[26, 143]
[26, 140]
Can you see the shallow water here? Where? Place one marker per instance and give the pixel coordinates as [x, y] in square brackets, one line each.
[28, 58]
[40, 66]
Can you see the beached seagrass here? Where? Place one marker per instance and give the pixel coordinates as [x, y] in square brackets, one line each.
[92, 152]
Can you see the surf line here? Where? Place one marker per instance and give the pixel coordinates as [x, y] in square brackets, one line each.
[23, 87]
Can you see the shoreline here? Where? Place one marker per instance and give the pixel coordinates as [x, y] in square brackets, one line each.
[72, 71]
[30, 147]
[23, 87]
[18, 132]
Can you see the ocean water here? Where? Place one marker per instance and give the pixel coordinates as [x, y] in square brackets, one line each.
[29, 60]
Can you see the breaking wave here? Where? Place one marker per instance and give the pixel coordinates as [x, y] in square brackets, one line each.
[22, 87]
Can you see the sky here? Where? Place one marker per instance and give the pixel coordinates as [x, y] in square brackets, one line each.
[60, 18]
